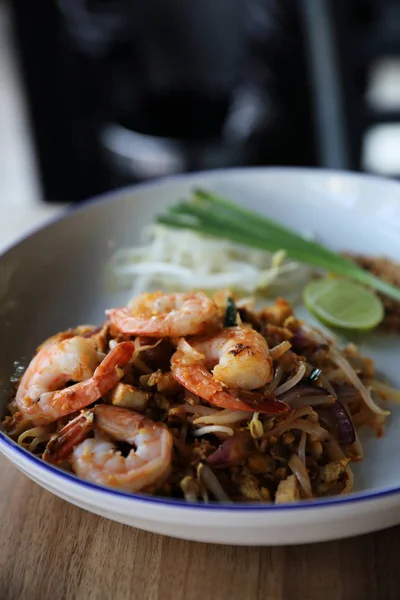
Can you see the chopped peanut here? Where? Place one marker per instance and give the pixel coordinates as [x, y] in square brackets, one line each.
[249, 486]
[288, 438]
[162, 401]
[258, 463]
[150, 380]
[281, 473]
[154, 378]
[316, 449]
[277, 313]
[265, 494]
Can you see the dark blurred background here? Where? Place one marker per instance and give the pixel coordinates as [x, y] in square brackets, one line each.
[121, 91]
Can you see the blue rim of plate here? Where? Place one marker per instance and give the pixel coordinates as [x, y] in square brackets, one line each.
[241, 507]
[63, 475]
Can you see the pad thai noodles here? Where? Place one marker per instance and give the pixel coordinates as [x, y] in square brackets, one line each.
[200, 398]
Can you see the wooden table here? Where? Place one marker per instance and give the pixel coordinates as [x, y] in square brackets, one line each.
[51, 550]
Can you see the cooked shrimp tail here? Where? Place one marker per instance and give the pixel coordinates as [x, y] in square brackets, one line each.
[108, 373]
[198, 380]
[261, 402]
[62, 444]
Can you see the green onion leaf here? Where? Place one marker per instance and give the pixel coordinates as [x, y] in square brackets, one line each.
[212, 215]
[315, 374]
[230, 313]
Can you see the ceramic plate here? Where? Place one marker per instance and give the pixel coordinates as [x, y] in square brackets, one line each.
[54, 279]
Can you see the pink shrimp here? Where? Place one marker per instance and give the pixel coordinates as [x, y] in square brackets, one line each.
[42, 396]
[147, 465]
[165, 315]
[240, 360]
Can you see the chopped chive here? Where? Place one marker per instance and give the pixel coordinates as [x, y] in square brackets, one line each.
[315, 374]
[230, 319]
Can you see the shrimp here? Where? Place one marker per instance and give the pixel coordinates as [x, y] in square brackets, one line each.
[240, 360]
[147, 465]
[165, 315]
[41, 397]
[239, 357]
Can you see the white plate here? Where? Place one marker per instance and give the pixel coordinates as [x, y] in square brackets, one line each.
[54, 279]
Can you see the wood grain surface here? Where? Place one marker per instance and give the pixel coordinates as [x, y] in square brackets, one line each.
[51, 550]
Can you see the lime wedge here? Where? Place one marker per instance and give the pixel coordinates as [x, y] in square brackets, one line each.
[343, 304]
